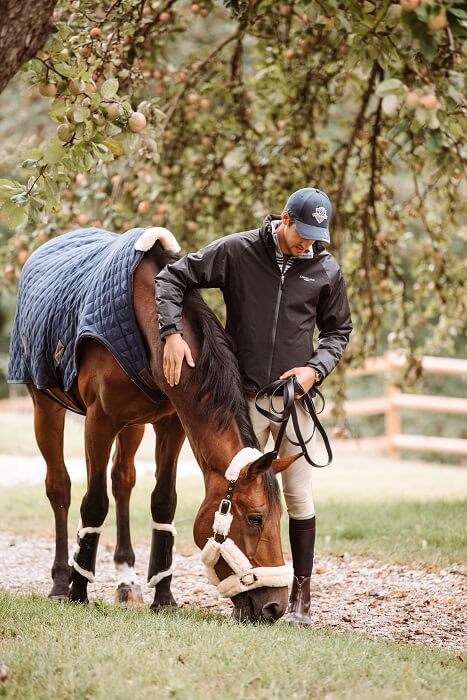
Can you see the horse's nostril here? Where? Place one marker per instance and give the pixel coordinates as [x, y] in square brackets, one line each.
[271, 611]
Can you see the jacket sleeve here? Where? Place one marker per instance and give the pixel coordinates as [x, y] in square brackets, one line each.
[334, 324]
[204, 269]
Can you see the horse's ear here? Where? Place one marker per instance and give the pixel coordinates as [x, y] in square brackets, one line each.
[278, 465]
[259, 466]
[270, 459]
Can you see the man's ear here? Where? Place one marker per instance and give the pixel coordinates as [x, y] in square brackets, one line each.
[278, 465]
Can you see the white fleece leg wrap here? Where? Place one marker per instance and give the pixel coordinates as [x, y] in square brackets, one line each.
[87, 574]
[89, 531]
[165, 527]
[154, 580]
[157, 233]
[241, 459]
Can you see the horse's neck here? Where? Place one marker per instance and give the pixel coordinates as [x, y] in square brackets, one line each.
[214, 449]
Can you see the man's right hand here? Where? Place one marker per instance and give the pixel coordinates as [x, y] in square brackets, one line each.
[176, 350]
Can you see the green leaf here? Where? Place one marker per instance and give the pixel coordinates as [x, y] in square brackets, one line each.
[54, 152]
[457, 12]
[422, 13]
[115, 146]
[29, 163]
[390, 104]
[80, 114]
[9, 184]
[65, 69]
[109, 88]
[33, 153]
[58, 109]
[16, 216]
[19, 199]
[392, 86]
[428, 46]
[398, 129]
[434, 140]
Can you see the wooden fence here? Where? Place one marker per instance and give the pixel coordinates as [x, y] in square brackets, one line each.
[394, 400]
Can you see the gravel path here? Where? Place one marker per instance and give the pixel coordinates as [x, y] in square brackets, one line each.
[414, 605]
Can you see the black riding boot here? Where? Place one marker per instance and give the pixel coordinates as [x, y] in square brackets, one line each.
[302, 543]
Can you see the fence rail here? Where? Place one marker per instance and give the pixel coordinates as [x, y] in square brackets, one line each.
[391, 404]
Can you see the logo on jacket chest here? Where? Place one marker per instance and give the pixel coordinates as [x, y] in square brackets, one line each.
[307, 279]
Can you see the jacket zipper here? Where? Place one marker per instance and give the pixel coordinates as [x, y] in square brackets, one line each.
[276, 318]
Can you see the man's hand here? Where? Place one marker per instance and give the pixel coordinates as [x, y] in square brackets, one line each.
[306, 376]
[176, 350]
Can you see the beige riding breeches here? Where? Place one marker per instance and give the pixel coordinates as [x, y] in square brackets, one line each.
[296, 480]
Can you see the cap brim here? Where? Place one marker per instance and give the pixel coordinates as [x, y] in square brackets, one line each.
[312, 233]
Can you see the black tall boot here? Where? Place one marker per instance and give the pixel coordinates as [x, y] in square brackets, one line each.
[302, 543]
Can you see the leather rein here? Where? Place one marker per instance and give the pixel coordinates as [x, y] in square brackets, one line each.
[287, 388]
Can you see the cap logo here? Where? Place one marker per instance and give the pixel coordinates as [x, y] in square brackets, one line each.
[320, 214]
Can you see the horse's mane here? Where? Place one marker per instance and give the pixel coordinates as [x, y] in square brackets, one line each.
[217, 374]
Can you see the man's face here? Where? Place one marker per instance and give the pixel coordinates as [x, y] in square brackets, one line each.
[295, 244]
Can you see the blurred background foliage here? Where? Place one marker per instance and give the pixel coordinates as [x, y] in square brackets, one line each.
[203, 117]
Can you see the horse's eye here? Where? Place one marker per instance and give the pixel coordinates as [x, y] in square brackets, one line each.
[255, 520]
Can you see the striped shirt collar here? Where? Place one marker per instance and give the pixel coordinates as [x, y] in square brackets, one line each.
[308, 254]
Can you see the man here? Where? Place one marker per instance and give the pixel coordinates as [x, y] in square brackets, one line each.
[278, 282]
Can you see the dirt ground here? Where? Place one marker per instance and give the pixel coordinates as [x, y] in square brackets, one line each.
[386, 601]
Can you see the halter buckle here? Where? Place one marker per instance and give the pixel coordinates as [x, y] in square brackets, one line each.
[253, 579]
[225, 506]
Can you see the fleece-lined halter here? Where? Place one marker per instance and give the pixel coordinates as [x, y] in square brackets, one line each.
[245, 577]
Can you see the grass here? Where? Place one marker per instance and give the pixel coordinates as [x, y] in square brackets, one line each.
[101, 651]
[430, 533]
[367, 505]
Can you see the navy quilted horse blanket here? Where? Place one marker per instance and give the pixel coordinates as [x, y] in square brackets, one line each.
[79, 285]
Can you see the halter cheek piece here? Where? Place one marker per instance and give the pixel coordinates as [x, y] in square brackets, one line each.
[245, 577]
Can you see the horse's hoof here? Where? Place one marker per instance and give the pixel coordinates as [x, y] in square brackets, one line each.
[58, 597]
[161, 605]
[129, 594]
[78, 598]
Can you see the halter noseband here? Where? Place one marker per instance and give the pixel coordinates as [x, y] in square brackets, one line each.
[245, 577]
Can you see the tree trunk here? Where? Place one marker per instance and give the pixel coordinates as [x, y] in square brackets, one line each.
[24, 28]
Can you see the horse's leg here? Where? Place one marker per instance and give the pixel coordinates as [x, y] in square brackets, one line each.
[123, 480]
[169, 440]
[49, 423]
[99, 435]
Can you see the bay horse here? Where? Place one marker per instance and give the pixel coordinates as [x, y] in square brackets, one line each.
[209, 408]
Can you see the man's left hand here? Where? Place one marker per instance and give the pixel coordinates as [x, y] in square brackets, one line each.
[306, 376]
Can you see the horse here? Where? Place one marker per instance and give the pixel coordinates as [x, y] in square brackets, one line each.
[242, 551]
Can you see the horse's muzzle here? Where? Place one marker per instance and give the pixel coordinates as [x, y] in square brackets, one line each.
[260, 605]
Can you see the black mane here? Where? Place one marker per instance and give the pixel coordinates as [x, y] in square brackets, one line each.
[217, 374]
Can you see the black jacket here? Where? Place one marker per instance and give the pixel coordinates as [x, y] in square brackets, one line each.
[270, 319]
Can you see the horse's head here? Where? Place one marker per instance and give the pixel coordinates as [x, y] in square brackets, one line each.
[245, 513]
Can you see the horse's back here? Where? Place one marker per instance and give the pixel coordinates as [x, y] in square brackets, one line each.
[77, 285]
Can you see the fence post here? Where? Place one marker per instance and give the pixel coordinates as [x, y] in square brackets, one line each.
[392, 418]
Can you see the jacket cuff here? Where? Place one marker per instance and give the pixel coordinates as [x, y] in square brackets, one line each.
[320, 369]
[170, 330]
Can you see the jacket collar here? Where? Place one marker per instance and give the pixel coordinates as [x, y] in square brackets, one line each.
[265, 233]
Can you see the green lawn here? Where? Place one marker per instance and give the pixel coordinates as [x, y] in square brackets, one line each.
[101, 651]
[367, 505]
[430, 532]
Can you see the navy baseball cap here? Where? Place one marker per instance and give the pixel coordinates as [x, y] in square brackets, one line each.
[312, 210]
